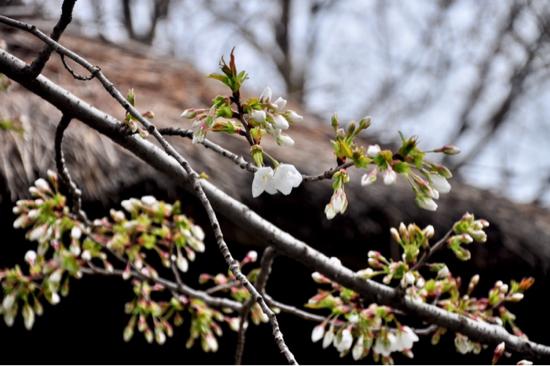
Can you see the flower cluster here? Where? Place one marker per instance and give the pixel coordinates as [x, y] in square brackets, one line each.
[56, 259]
[252, 118]
[228, 283]
[154, 227]
[156, 319]
[428, 180]
[466, 231]
[339, 201]
[376, 328]
[68, 247]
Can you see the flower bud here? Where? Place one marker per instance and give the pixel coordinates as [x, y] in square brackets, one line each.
[280, 122]
[189, 113]
[8, 302]
[318, 332]
[426, 203]
[76, 233]
[449, 150]
[285, 140]
[395, 235]
[30, 257]
[499, 351]
[258, 116]
[42, 185]
[265, 97]
[428, 231]
[294, 117]
[280, 104]
[373, 150]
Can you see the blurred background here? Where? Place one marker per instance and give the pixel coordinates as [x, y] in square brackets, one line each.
[468, 72]
[473, 73]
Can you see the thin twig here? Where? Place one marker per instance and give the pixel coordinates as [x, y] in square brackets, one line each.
[221, 287]
[239, 160]
[294, 310]
[63, 171]
[64, 20]
[183, 289]
[74, 73]
[431, 250]
[327, 174]
[261, 281]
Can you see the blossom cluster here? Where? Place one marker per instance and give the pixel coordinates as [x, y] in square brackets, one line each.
[228, 283]
[156, 318]
[67, 248]
[427, 179]
[376, 328]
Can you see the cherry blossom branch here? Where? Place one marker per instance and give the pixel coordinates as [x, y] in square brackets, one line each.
[239, 160]
[243, 217]
[261, 281]
[431, 250]
[327, 174]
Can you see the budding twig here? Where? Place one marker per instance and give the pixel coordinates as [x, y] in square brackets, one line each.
[239, 160]
[431, 250]
[261, 282]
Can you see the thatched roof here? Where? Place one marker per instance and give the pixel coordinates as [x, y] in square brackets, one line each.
[167, 86]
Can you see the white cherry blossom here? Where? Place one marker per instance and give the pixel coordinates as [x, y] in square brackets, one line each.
[358, 349]
[338, 204]
[263, 182]
[42, 185]
[345, 342]
[369, 178]
[8, 302]
[404, 339]
[30, 256]
[329, 337]
[285, 140]
[384, 345]
[286, 177]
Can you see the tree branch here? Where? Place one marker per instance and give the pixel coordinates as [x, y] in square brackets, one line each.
[64, 20]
